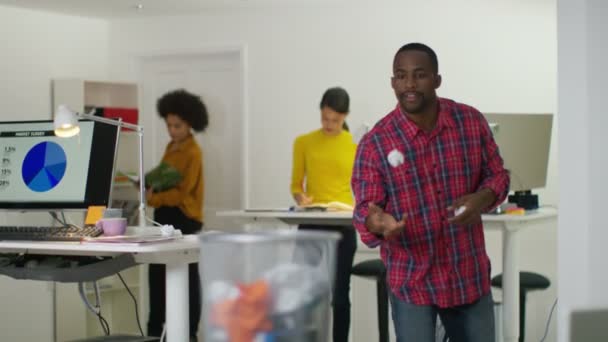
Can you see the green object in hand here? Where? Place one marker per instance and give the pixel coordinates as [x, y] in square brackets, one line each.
[162, 177]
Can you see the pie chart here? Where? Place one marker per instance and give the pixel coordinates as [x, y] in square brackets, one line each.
[43, 166]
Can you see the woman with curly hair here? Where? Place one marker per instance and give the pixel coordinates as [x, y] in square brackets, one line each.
[181, 205]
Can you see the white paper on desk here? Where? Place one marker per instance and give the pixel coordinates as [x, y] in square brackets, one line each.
[129, 239]
[266, 210]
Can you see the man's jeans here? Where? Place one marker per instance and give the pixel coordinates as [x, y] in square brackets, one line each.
[466, 323]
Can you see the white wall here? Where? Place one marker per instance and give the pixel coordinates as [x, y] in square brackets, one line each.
[499, 56]
[37, 47]
[582, 55]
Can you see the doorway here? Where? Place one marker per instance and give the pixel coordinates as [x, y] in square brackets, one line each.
[219, 78]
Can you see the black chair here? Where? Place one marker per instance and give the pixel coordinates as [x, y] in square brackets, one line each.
[528, 281]
[375, 269]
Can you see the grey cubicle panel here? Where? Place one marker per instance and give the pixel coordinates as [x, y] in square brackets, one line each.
[589, 325]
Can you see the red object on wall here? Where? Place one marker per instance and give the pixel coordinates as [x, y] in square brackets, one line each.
[129, 115]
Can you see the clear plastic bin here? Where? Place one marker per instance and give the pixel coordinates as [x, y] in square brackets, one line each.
[267, 286]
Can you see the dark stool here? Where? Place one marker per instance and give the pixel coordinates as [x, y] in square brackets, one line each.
[375, 269]
[528, 281]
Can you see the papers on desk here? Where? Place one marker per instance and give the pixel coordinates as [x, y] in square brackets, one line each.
[318, 207]
[330, 206]
[129, 239]
[265, 210]
[135, 235]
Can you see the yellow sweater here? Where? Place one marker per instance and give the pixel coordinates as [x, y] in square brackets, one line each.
[187, 158]
[322, 166]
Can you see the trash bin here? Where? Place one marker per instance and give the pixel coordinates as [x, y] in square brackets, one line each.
[267, 286]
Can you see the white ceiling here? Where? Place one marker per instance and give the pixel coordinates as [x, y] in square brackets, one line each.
[127, 8]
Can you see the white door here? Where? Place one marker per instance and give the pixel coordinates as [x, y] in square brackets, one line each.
[218, 78]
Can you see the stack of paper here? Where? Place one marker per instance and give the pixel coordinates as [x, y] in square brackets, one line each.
[330, 206]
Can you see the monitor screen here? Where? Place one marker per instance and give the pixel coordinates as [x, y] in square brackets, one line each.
[42, 171]
[523, 141]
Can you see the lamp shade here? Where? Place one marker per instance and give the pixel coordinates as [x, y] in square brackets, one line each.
[65, 122]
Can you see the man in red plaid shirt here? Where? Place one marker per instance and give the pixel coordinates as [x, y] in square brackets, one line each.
[422, 177]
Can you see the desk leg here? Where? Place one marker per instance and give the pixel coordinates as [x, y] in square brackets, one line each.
[510, 284]
[177, 304]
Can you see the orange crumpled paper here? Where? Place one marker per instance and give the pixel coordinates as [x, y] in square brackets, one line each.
[246, 315]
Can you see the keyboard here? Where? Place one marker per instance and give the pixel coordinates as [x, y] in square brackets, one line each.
[31, 233]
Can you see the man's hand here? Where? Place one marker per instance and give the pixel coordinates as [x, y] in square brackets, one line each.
[380, 223]
[474, 204]
[302, 199]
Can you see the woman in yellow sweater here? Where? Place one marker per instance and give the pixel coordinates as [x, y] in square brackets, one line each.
[182, 205]
[322, 166]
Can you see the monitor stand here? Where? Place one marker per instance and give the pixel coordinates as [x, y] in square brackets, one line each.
[524, 199]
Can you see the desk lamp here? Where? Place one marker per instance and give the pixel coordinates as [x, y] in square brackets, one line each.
[66, 125]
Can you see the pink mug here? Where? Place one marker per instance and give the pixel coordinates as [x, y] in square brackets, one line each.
[112, 226]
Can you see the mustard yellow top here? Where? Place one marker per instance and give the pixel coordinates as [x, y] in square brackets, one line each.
[322, 166]
[187, 158]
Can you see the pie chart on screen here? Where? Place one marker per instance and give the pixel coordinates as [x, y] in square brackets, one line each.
[44, 166]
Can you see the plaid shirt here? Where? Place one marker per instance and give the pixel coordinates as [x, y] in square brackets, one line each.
[431, 262]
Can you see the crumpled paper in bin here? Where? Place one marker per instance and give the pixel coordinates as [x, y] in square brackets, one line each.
[294, 286]
[245, 311]
[246, 315]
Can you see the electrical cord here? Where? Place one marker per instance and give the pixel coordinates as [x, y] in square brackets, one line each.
[96, 310]
[134, 301]
[166, 230]
[163, 334]
[548, 321]
[56, 218]
[70, 223]
[104, 325]
[153, 222]
[66, 221]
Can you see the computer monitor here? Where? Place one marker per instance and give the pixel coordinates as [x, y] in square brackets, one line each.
[524, 141]
[39, 170]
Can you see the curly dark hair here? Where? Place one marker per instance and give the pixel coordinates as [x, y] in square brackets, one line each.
[187, 106]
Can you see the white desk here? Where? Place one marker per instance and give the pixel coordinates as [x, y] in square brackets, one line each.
[176, 255]
[338, 218]
[510, 225]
